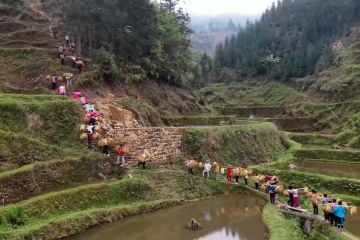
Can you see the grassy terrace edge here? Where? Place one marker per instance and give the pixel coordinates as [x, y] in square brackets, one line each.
[256, 143]
[78, 198]
[280, 228]
[53, 175]
[76, 222]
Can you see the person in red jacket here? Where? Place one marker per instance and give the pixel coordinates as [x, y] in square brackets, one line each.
[229, 173]
[267, 179]
[121, 155]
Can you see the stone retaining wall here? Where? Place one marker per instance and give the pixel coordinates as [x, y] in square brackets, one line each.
[295, 124]
[259, 112]
[328, 154]
[199, 120]
[164, 144]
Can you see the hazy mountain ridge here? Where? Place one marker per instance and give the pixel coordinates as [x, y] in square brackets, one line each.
[211, 30]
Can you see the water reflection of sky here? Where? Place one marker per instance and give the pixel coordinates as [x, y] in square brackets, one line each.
[222, 234]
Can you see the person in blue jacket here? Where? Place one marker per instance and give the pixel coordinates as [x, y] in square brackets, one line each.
[272, 192]
[339, 212]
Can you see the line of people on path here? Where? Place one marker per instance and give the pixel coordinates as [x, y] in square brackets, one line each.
[91, 119]
[208, 167]
[64, 53]
[56, 83]
[121, 158]
[91, 115]
[334, 210]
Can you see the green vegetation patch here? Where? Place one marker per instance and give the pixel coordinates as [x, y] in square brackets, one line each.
[19, 149]
[44, 117]
[37, 128]
[28, 63]
[74, 223]
[313, 139]
[146, 114]
[76, 199]
[322, 231]
[353, 124]
[236, 145]
[280, 227]
[249, 94]
[54, 175]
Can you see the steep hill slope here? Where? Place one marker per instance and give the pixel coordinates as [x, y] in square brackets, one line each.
[37, 128]
[31, 31]
[26, 36]
[341, 81]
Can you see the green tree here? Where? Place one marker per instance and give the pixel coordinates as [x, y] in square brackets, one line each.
[205, 65]
[269, 64]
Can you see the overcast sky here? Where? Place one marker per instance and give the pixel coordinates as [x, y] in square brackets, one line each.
[215, 7]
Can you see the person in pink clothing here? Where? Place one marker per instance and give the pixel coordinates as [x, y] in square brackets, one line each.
[83, 100]
[62, 90]
[76, 95]
[296, 198]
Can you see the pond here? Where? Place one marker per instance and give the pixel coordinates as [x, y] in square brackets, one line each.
[348, 170]
[232, 217]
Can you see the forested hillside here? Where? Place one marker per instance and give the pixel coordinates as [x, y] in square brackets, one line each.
[340, 82]
[298, 33]
[130, 40]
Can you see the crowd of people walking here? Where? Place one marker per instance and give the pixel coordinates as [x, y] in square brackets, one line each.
[67, 51]
[335, 210]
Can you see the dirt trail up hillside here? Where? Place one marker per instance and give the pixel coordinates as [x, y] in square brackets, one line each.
[114, 115]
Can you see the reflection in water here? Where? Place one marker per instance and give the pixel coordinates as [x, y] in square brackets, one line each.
[234, 217]
[207, 215]
[220, 235]
[352, 224]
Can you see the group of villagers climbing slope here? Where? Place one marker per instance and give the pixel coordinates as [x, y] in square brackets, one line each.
[92, 129]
